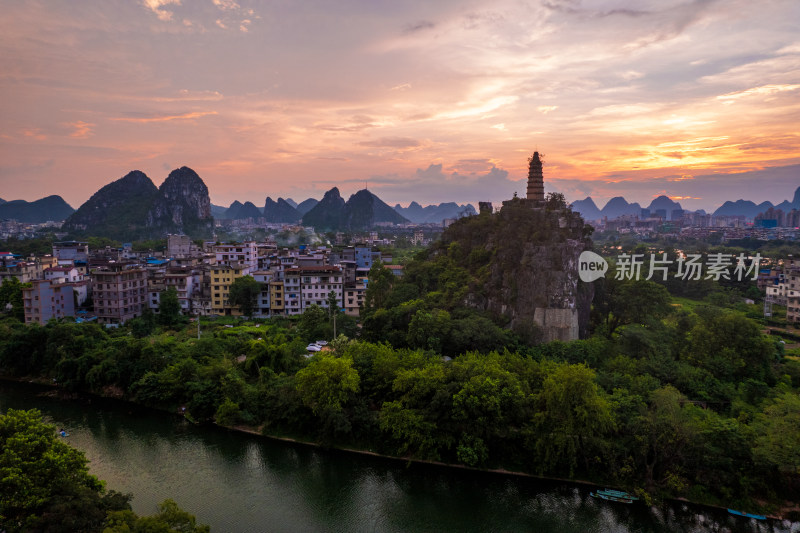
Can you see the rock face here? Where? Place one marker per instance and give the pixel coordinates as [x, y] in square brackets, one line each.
[527, 259]
[183, 205]
[49, 208]
[132, 207]
[280, 211]
[118, 210]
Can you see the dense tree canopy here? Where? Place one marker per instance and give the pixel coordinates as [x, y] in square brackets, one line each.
[244, 294]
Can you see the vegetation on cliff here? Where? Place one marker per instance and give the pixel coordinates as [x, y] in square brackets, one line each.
[480, 285]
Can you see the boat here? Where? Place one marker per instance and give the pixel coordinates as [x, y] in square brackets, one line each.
[611, 495]
[747, 515]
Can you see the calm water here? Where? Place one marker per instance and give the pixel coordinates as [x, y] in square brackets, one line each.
[237, 482]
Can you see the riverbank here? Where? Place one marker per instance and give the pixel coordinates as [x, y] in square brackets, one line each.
[56, 391]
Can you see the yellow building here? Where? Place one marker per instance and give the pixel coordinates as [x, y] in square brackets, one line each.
[277, 304]
[222, 277]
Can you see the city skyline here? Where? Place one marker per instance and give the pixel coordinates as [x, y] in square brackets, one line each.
[695, 100]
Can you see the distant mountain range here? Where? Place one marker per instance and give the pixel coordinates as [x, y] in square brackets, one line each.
[434, 213]
[363, 210]
[280, 211]
[45, 209]
[618, 206]
[330, 214]
[275, 211]
[132, 207]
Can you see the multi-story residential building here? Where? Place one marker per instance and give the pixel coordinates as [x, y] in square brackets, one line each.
[354, 296]
[119, 293]
[222, 277]
[71, 251]
[263, 307]
[46, 299]
[792, 267]
[277, 301]
[179, 246]
[306, 286]
[62, 274]
[244, 252]
[24, 271]
[72, 276]
[182, 280]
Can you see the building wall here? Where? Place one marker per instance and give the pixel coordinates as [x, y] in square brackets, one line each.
[222, 277]
[46, 300]
[119, 295]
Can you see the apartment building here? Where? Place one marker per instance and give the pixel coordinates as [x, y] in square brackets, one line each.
[311, 285]
[119, 293]
[244, 252]
[46, 299]
[222, 277]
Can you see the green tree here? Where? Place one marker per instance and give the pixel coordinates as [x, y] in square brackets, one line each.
[429, 329]
[618, 303]
[731, 347]
[327, 383]
[574, 412]
[169, 307]
[315, 324]
[169, 518]
[11, 294]
[379, 286]
[42, 478]
[244, 294]
[778, 443]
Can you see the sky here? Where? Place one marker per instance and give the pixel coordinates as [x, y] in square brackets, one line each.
[418, 100]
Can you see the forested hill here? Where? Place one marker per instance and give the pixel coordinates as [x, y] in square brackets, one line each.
[518, 267]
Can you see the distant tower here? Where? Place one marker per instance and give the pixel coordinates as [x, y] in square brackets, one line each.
[535, 179]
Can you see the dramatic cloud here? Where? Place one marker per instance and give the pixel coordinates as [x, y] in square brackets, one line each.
[428, 101]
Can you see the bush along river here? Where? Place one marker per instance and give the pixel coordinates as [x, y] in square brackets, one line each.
[239, 482]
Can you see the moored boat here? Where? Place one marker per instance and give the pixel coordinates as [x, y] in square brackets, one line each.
[611, 495]
[747, 515]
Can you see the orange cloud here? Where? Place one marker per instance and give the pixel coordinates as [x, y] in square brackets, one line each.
[34, 133]
[83, 129]
[166, 118]
[157, 7]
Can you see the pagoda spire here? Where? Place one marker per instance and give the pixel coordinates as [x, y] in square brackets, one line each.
[535, 178]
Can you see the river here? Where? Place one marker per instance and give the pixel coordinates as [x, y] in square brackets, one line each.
[238, 482]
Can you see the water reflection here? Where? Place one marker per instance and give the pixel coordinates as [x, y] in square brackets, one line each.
[238, 482]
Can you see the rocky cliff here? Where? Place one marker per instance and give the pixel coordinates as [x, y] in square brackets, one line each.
[525, 262]
[133, 208]
[118, 210]
[183, 206]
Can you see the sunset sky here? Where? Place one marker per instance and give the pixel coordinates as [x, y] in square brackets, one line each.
[423, 100]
